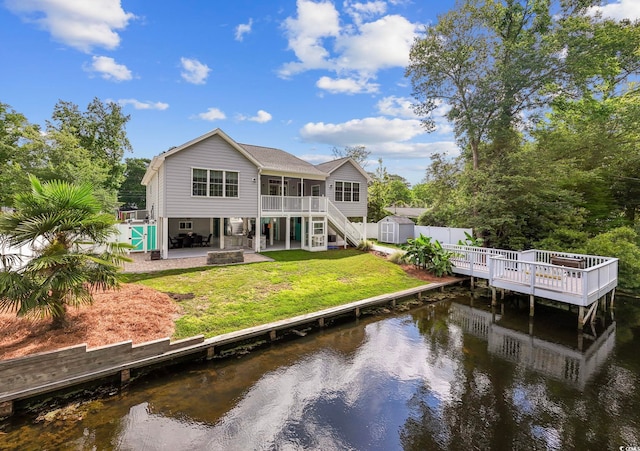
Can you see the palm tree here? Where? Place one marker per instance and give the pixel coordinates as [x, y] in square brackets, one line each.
[73, 257]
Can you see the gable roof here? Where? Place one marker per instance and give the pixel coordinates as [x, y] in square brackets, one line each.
[278, 160]
[333, 165]
[262, 157]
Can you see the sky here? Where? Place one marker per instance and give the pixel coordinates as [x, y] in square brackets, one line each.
[303, 76]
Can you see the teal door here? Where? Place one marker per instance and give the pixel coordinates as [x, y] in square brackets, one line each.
[137, 238]
[151, 237]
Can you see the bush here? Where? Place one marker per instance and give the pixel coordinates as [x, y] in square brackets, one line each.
[365, 245]
[429, 256]
[398, 257]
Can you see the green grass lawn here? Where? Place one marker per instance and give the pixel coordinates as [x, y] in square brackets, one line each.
[230, 298]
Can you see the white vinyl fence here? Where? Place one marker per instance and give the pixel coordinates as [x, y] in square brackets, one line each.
[445, 235]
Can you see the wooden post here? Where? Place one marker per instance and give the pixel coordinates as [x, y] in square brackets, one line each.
[6, 409]
[493, 296]
[580, 318]
[393, 303]
[613, 295]
[272, 335]
[472, 284]
[530, 325]
[211, 352]
[357, 312]
[125, 376]
[321, 322]
[532, 304]
[502, 294]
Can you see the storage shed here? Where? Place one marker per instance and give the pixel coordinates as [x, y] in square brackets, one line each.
[395, 229]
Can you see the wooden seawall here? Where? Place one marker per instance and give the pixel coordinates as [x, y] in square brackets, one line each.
[48, 372]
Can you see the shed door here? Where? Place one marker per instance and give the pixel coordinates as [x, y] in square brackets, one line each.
[388, 232]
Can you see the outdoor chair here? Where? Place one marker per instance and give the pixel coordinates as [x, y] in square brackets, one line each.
[207, 242]
[197, 240]
[187, 241]
[174, 243]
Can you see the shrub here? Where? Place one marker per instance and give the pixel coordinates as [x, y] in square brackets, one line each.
[365, 245]
[424, 254]
[398, 257]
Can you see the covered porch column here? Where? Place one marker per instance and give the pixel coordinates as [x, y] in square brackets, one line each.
[221, 232]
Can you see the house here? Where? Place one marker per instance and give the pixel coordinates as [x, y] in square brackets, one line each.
[247, 196]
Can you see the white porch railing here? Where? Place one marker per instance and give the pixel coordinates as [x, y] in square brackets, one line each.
[294, 204]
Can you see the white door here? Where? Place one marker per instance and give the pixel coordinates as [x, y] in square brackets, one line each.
[318, 234]
[388, 232]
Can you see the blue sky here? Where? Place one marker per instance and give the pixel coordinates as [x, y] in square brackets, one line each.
[303, 76]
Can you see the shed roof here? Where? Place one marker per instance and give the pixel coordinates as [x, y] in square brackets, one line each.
[397, 220]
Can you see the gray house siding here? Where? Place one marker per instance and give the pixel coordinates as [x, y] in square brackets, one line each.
[348, 173]
[211, 153]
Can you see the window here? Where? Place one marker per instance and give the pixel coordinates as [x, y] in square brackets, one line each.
[215, 183]
[185, 225]
[231, 184]
[347, 192]
[199, 182]
[315, 190]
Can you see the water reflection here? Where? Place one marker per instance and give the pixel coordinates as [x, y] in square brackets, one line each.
[447, 376]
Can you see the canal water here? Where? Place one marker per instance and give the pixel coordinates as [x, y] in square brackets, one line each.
[450, 375]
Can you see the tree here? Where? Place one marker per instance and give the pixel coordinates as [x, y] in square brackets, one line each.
[21, 146]
[73, 256]
[377, 194]
[358, 153]
[132, 194]
[101, 131]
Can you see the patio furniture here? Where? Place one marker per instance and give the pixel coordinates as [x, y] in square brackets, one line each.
[175, 242]
[207, 241]
[187, 241]
[197, 240]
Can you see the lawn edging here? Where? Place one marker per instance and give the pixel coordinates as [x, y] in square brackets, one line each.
[31, 376]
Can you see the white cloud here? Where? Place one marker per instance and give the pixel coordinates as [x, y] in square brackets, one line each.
[194, 71]
[377, 45]
[362, 11]
[346, 85]
[370, 130]
[315, 22]
[619, 9]
[80, 24]
[396, 107]
[243, 29]
[109, 69]
[147, 105]
[355, 52]
[261, 117]
[212, 114]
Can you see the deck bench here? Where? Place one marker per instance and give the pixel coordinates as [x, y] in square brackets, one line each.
[569, 262]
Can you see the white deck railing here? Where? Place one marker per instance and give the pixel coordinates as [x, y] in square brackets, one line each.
[294, 204]
[531, 272]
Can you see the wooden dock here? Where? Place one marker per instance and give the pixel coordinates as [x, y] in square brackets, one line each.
[575, 279]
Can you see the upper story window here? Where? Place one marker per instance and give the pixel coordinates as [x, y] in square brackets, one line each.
[347, 191]
[214, 183]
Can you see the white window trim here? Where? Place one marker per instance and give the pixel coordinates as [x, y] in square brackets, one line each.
[224, 183]
[182, 225]
[335, 184]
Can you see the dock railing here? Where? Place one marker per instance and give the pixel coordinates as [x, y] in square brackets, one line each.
[532, 272]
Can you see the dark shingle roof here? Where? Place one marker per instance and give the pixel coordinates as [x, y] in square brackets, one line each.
[279, 160]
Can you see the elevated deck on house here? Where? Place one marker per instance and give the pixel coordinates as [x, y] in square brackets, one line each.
[570, 278]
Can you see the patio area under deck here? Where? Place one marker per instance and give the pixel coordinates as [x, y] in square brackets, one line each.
[533, 272]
